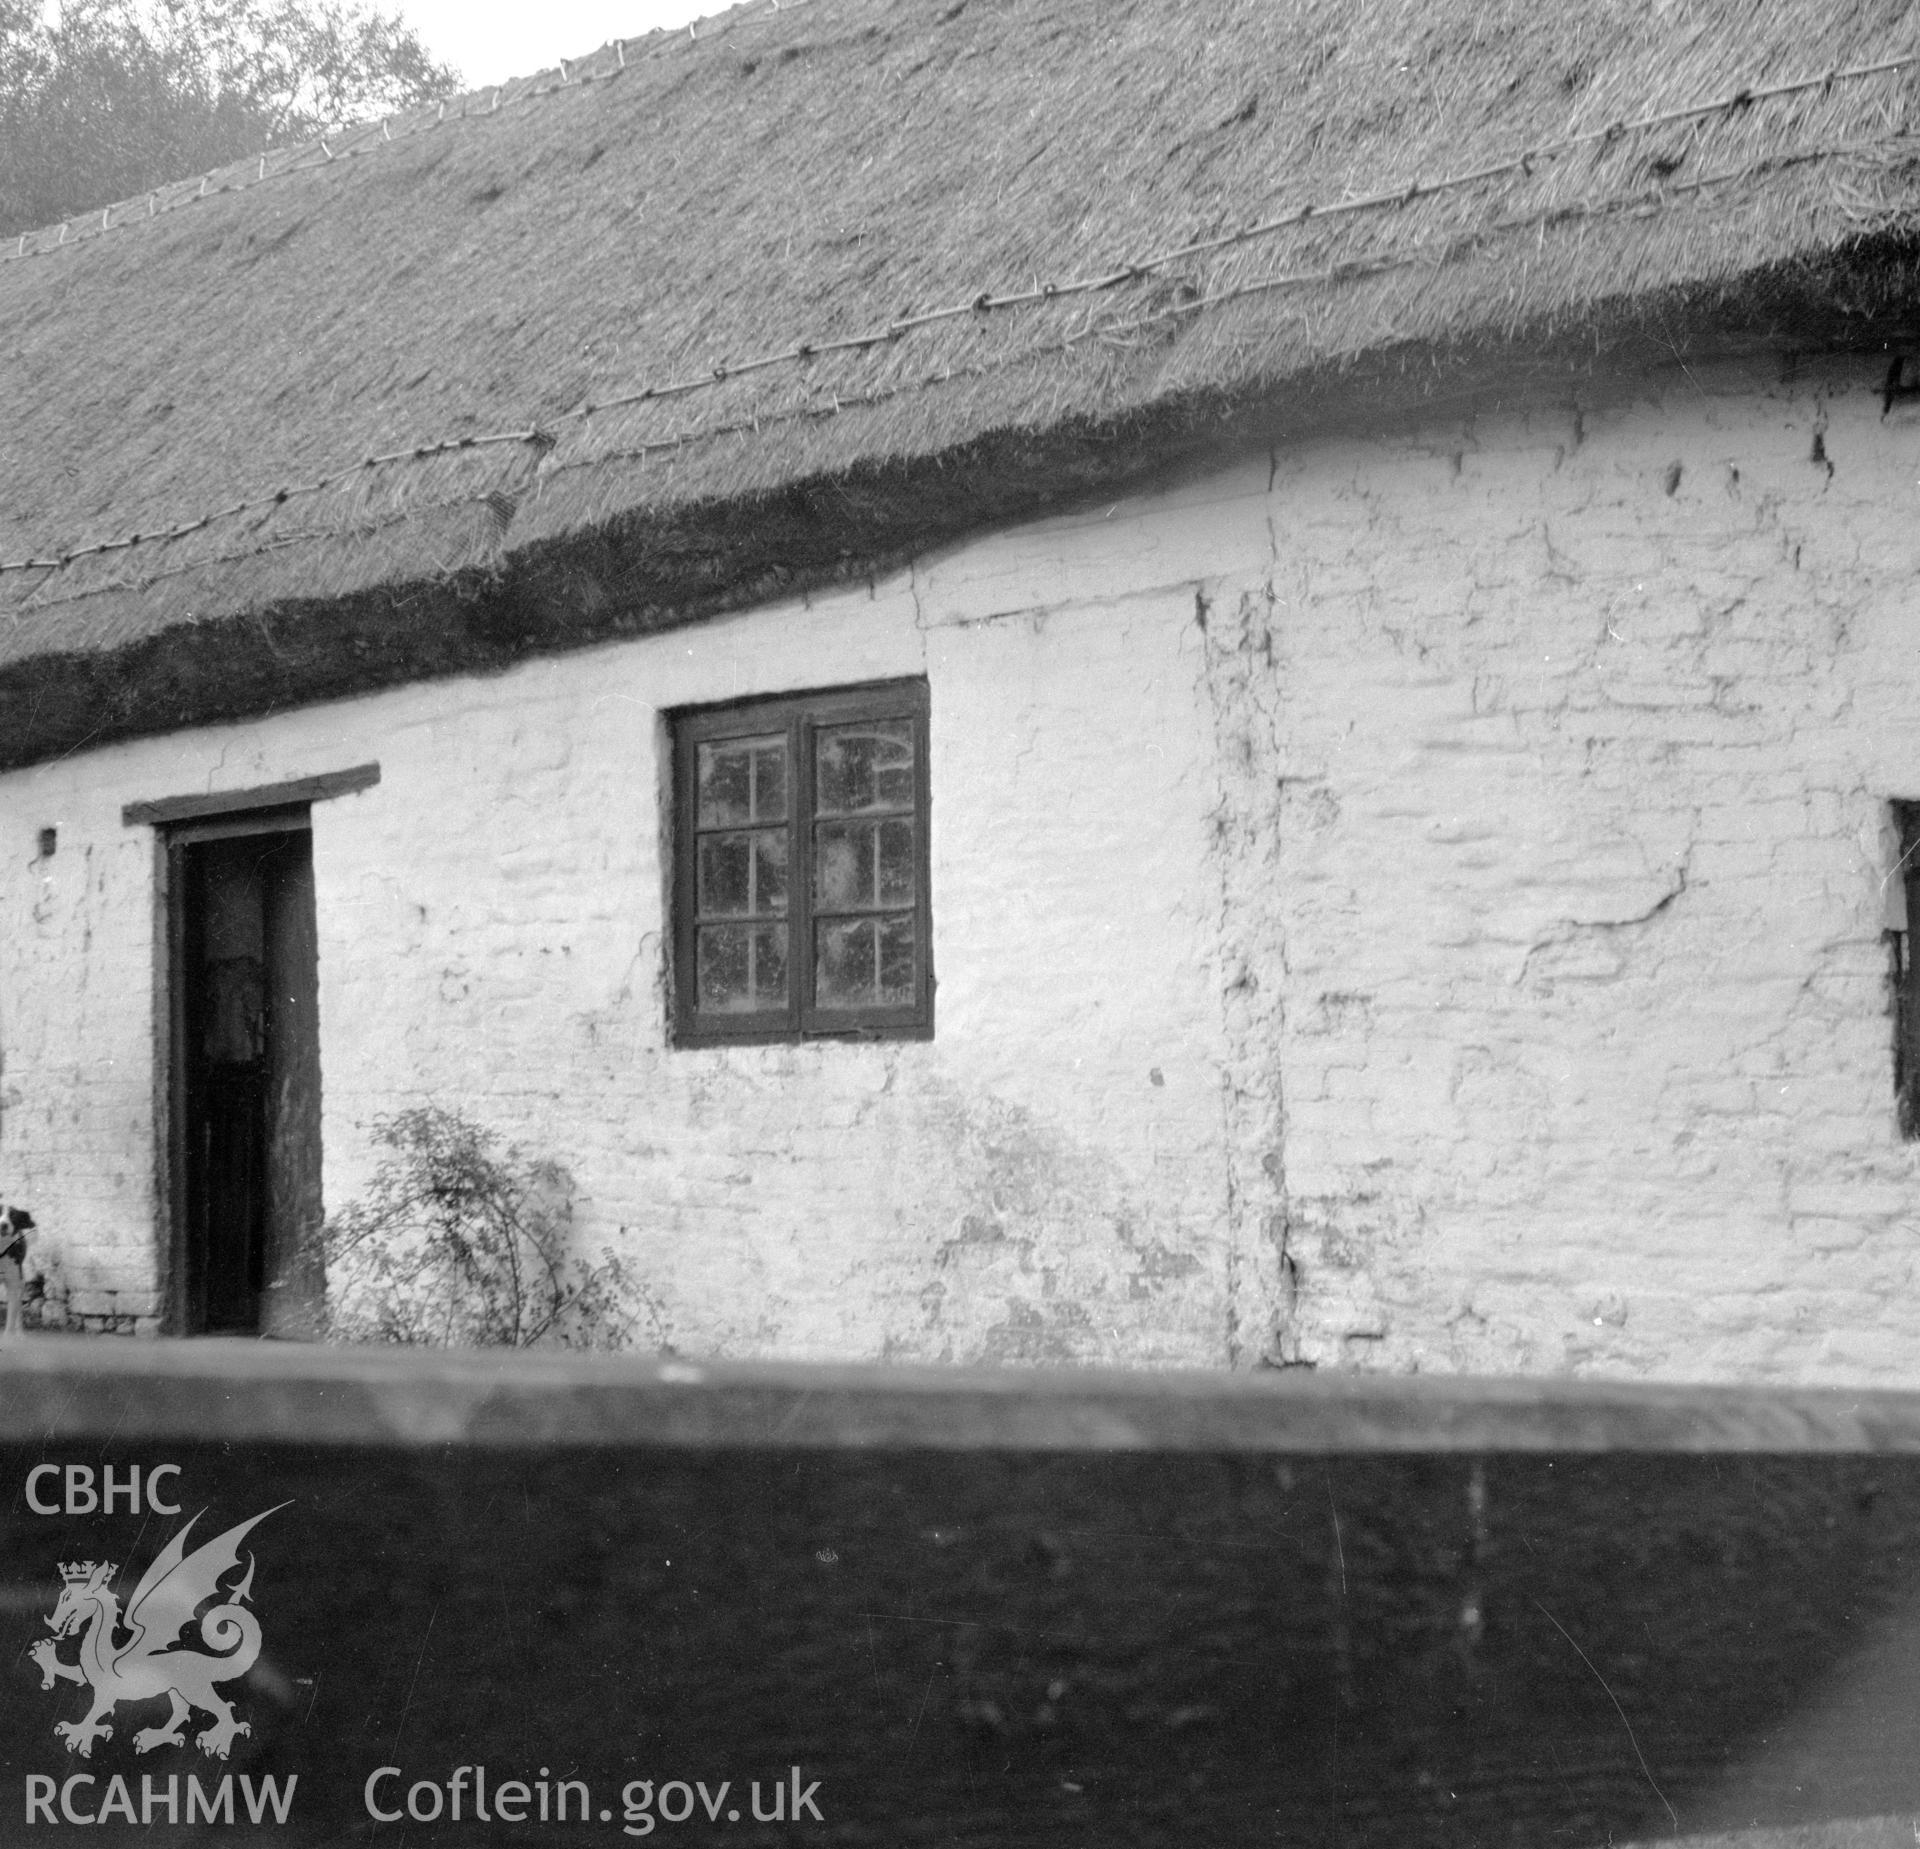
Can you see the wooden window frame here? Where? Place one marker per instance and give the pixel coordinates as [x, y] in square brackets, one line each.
[800, 717]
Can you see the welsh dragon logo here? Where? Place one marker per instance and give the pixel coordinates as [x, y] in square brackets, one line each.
[141, 1656]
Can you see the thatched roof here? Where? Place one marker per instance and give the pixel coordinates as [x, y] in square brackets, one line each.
[448, 337]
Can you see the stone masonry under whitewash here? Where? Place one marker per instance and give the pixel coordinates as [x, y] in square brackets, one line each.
[1157, 682]
[1409, 900]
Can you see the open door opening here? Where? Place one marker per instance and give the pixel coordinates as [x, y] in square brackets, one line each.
[245, 1077]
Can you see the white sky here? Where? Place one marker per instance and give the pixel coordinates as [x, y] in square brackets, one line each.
[488, 41]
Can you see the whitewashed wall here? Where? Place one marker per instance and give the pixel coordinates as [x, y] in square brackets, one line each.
[1409, 902]
[1583, 732]
[1040, 1181]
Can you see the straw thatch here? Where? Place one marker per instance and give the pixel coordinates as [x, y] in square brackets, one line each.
[343, 320]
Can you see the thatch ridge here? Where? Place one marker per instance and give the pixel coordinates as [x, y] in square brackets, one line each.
[467, 358]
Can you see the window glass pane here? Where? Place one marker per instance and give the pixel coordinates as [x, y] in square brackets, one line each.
[897, 864]
[896, 960]
[862, 767]
[858, 865]
[770, 870]
[843, 857]
[742, 968]
[742, 780]
[864, 963]
[770, 781]
[743, 875]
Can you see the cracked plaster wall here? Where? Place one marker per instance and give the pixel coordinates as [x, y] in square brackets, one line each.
[1572, 766]
[1410, 901]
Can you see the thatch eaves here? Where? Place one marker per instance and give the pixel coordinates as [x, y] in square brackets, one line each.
[706, 316]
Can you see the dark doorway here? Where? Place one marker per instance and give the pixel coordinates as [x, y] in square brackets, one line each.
[245, 1077]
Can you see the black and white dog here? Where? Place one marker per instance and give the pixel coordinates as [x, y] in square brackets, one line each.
[15, 1224]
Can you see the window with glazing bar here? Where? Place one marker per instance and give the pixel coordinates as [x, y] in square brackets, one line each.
[1903, 895]
[800, 898]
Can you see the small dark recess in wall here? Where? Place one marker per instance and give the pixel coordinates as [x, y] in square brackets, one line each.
[1902, 975]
